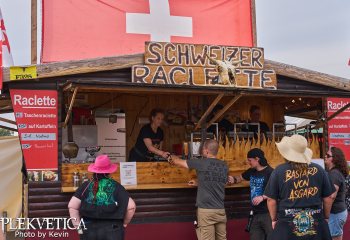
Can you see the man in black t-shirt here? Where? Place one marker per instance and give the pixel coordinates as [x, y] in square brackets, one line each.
[212, 178]
[255, 115]
[258, 176]
[299, 194]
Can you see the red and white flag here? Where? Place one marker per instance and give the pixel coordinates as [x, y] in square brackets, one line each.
[5, 51]
[80, 29]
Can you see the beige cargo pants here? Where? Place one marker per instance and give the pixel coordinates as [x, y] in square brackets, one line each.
[211, 224]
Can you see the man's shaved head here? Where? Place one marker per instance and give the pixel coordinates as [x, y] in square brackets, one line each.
[212, 146]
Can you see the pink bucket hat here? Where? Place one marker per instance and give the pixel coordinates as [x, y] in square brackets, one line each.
[102, 165]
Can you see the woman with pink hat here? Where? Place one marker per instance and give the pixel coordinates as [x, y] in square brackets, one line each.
[298, 194]
[102, 203]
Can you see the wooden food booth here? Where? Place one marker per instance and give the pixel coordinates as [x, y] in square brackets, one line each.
[180, 79]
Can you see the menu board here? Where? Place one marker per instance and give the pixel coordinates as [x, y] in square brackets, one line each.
[36, 116]
[339, 127]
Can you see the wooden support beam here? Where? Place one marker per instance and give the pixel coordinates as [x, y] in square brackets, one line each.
[8, 128]
[253, 14]
[222, 111]
[321, 122]
[70, 107]
[209, 110]
[34, 42]
[337, 112]
[308, 75]
[8, 121]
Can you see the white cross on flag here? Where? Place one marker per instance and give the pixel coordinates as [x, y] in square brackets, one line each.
[80, 29]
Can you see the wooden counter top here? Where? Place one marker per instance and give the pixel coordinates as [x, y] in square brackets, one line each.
[150, 175]
[159, 186]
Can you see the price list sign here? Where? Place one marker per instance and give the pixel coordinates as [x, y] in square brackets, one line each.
[339, 127]
[36, 117]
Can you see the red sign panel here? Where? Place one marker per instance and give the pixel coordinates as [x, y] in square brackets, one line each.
[83, 29]
[0, 63]
[36, 117]
[339, 127]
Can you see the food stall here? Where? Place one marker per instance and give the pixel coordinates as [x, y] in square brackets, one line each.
[99, 106]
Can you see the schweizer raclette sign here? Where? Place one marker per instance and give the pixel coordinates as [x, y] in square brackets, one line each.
[36, 117]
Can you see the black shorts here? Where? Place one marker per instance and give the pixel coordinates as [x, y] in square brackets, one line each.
[289, 229]
[103, 230]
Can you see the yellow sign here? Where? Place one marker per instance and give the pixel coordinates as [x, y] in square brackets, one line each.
[23, 73]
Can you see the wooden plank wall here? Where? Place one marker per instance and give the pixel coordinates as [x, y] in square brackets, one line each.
[46, 200]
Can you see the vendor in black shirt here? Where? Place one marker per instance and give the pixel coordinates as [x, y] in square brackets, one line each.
[149, 141]
[255, 115]
[258, 175]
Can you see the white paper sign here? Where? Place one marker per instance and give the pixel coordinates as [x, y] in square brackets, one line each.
[128, 175]
[319, 162]
[112, 138]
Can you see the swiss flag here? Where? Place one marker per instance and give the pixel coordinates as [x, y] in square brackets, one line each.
[5, 51]
[80, 29]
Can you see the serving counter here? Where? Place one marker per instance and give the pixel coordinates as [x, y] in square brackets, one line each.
[150, 175]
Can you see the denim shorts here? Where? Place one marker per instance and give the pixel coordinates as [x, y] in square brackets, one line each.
[336, 223]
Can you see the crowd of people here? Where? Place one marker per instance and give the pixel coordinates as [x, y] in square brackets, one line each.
[297, 200]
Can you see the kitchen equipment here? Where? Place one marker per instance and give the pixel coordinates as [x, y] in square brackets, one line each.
[84, 178]
[76, 180]
[70, 149]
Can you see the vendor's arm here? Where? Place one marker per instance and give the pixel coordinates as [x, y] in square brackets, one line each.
[175, 160]
[151, 148]
[74, 206]
[130, 211]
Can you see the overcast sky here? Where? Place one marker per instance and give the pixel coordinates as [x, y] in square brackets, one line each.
[313, 34]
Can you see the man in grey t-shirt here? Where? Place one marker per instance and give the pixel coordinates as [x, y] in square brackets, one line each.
[212, 178]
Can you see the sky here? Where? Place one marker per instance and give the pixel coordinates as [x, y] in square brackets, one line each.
[312, 34]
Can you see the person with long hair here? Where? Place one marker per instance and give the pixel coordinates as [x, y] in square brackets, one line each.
[298, 194]
[258, 176]
[149, 142]
[338, 170]
[102, 204]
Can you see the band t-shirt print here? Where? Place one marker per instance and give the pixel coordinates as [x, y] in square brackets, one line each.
[299, 193]
[257, 182]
